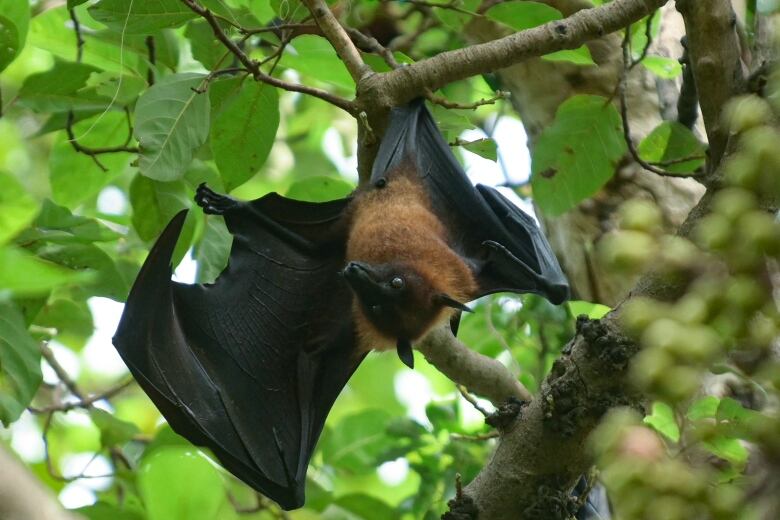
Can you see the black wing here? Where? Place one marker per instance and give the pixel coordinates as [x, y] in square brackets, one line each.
[505, 246]
[248, 366]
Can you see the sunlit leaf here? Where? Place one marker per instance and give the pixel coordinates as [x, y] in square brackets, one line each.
[180, 482]
[665, 68]
[171, 121]
[671, 143]
[486, 148]
[584, 127]
[17, 207]
[314, 57]
[106, 280]
[366, 507]
[71, 319]
[57, 224]
[113, 431]
[663, 421]
[14, 20]
[704, 408]
[141, 16]
[319, 189]
[358, 442]
[20, 363]
[593, 311]
[25, 274]
[61, 89]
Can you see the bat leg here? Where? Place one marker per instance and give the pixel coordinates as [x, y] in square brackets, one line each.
[212, 202]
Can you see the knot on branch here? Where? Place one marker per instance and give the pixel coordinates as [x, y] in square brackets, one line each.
[612, 350]
[461, 508]
[506, 414]
[551, 504]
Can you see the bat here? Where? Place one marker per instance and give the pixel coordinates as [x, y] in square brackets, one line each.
[250, 365]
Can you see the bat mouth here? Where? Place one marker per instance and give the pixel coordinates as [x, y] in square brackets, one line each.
[363, 279]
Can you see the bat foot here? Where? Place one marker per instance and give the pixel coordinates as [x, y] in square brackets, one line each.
[212, 202]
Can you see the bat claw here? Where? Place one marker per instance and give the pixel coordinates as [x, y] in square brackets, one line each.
[212, 202]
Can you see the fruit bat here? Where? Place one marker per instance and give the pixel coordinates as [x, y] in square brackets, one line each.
[250, 365]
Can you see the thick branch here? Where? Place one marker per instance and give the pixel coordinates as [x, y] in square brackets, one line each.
[23, 497]
[714, 52]
[338, 37]
[401, 85]
[482, 375]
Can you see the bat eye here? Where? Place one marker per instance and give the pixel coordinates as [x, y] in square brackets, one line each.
[397, 283]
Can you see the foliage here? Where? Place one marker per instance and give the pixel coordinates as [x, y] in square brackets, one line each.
[114, 111]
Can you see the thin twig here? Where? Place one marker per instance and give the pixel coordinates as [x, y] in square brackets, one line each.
[62, 374]
[452, 6]
[254, 67]
[79, 38]
[649, 38]
[446, 103]
[83, 402]
[372, 45]
[277, 28]
[339, 39]
[471, 399]
[482, 437]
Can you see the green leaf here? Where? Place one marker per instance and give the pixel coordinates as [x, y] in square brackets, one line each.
[171, 121]
[663, 421]
[357, 441]
[314, 57]
[593, 311]
[526, 15]
[443, 415]
[704, 408]
[74, 176]
[60, 89]
[213, 250]
[113, 431]
[180, 482]
[123, 88]
[26, 275]
[106, 279]
[57, 224]
[154, 204]
[737, 420]
[244, 130]
[727, 448]
[455, 20]
[671, 141]
[17, 207]
[575, 156]
[141, 16]
[205, 47]
[578, 56]
[366, 507]
[104, 511]
[20, 362]
[14, 20]
[665, 68]
[51, 31]
[71, 319]
[483, 147]
[319, 189]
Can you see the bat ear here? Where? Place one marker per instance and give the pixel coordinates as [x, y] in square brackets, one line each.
[448, 301]
[404, 349]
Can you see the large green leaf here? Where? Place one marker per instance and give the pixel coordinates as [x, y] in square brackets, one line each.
[71, 319]
[526, 15]
[14, 20]
[62, 88]
[26, 275]
[575, 156]
[20, 364]
[663, 421]
[57, 224]
[670, 142]
[106, 279]
[244, 129]
[74, 176]
[179, 482]
[171, 121]
[141, 16]
[319, 189]
[314, 57]
[17, 207]
[357, 441]
[113, 431]
[205, 47]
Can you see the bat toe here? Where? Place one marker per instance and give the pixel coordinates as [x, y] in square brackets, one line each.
[212, 202]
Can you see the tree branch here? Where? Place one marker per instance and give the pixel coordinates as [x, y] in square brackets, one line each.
[339, 39]
[254, 67]
[714, 57]
[22, 496]
[482, 375]
[399, 86]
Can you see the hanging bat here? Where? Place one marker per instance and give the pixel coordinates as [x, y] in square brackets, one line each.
[250, 365]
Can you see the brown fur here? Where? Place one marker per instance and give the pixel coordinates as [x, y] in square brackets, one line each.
[395, 224]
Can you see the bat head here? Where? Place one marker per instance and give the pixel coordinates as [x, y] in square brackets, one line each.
[396, 298]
